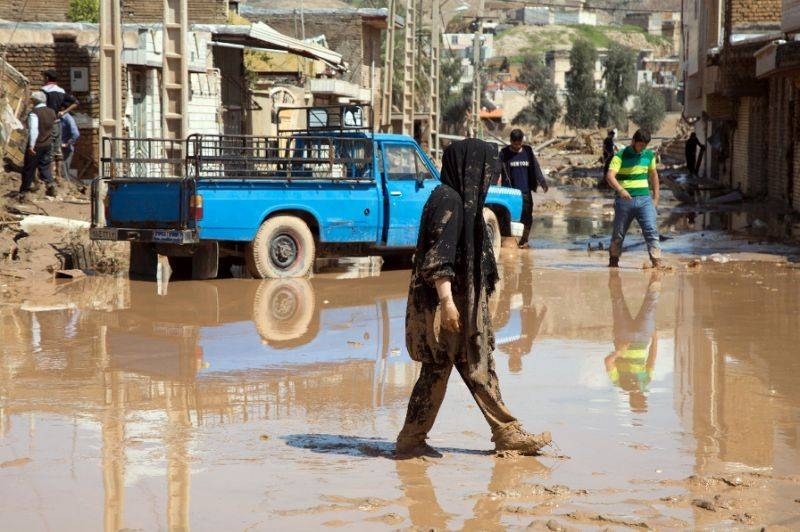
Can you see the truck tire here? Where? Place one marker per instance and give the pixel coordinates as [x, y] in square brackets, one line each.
[494, 231]
[283, 247]
[283, 312]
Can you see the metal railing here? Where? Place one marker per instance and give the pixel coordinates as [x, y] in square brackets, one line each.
[142, 158]
[300, 157]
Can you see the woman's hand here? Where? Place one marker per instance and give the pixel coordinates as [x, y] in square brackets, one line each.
[451, 320]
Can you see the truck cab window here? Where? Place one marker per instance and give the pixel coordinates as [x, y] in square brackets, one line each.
[404, 163]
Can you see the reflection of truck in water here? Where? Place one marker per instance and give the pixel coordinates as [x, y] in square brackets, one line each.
[331, 187]
[239, 329]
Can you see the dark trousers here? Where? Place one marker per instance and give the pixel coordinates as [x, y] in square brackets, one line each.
[691, 164]
[429, 393]
[527, 216]
[41, 160]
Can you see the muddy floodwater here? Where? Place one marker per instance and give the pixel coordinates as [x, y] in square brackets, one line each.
[273, 405]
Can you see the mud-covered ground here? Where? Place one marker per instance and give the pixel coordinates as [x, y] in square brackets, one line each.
[260, 405]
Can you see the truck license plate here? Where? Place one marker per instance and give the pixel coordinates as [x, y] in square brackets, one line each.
[103, 233]
[165, 235]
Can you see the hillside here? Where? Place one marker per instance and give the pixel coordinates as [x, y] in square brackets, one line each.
[522, 40]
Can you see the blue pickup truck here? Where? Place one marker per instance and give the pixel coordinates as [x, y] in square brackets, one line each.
[331, 187]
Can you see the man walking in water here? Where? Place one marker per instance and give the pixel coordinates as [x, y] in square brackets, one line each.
[633, 175]
[520, 169]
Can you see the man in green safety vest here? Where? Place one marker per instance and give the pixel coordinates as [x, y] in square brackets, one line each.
[632, 174]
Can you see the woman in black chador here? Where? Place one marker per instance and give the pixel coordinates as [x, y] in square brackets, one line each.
[447, 318]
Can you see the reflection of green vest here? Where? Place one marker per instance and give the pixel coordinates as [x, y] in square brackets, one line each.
[632, 170]
[633, 362]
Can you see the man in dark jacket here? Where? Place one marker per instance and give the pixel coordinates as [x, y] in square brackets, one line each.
[520, 169]
[40, 140]
[691, 153]
[609, 150]
[61, 102]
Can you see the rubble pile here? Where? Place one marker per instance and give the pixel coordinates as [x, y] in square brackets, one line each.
[43, 236]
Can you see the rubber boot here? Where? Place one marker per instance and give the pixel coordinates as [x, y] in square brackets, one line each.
[512, 437]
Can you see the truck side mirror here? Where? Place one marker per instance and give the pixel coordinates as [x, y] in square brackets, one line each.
[420, 181]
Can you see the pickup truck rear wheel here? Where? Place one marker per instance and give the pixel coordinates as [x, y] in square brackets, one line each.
[283, 247]
[494, 231]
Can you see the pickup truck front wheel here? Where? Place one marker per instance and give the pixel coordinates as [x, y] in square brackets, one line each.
[494, 231]
[283, 247]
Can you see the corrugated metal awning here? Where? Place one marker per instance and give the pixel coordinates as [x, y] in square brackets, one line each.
[260, 35]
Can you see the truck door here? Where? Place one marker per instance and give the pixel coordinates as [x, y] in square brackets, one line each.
[409, 182]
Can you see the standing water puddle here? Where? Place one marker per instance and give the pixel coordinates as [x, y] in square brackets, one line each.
[240, 404]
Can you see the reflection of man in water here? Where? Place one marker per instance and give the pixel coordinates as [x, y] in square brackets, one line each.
[630, 365]
[517, 292]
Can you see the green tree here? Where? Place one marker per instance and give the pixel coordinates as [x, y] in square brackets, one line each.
[649, 109]
[611, 112]
[545, 109]
[453, 105]
[534, 73]
[620, 78]
[83, 11]
[620, 72]
[582, 100]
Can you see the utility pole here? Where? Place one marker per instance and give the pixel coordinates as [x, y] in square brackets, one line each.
[110, 90]
[110, 70]
[175, 72]
[476, 75]
[433, 98]
[388, 73]
[409, 71]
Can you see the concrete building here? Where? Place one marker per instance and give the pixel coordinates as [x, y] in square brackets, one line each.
[510, 97]
[739, 85]
[534, 16]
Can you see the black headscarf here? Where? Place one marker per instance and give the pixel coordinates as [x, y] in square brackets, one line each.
[469, 166]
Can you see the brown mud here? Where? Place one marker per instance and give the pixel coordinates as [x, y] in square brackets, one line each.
[255, 405]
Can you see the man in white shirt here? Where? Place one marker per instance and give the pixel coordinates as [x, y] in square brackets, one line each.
[40, 140]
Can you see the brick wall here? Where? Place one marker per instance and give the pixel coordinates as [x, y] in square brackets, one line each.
[34, 10]
[200, 11]
[31, 59]
[744, 14]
